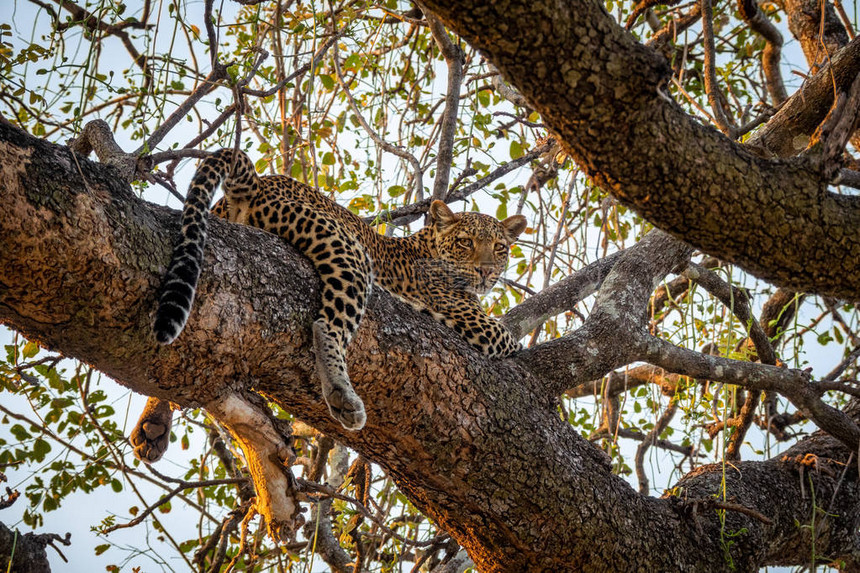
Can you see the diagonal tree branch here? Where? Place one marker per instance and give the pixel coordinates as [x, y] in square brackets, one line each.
[762, 214]
[454, 429]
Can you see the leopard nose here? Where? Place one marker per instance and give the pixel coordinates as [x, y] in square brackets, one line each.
[484, 272]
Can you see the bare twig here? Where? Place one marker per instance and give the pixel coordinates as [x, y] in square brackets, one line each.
[219, 72]
[677, 26]
[318, 55]
[840, 368]
[640, 9]
[506, 91]
[650, 439]
[409, 213]
[714, 96]
[770, 56]
[846, 21]
[327, 491]
[92, 23]
[210, 33]
[445, 151]
[183, 485]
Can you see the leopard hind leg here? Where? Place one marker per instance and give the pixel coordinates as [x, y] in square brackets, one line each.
[346, 277]
[151, 435]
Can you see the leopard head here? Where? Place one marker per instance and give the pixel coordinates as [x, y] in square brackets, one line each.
[476, 245]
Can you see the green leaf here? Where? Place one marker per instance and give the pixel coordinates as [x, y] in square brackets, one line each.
[50, 504]
[102, 548]
[327, 81]
[41, 448]
[328, 158]
[20, 433]
[516, 150]
[502, 211]
[30, 350]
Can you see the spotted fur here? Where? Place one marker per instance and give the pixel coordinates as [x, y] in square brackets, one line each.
[439, 270]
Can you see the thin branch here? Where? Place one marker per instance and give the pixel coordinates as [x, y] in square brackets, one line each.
[218, 73]
[177, 154]
[677, 26]
[323, 490]
[165, 498]
[318, 55]
[210, 33]
[620, 381]
[650, 439]
[454, 60]
[771, 54]
[409, 213]
[720, 117]
[840, 368]
[737, 301]
[417, 182]
[92, 23]
[506, 91]
[846, 21]
[641, 7]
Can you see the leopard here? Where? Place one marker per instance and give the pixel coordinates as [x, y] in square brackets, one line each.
[439, 270]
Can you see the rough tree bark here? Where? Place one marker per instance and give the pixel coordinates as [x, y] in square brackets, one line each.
[605, 95]
[476, 444]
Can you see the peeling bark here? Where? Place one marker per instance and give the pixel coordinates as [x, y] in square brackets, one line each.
[476, 444]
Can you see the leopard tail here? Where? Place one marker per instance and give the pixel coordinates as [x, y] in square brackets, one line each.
[179, 286]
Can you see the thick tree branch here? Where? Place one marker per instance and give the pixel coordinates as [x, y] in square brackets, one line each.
[816, 25]
[604, 94]
[618, 321]
[559, 297]
[454, 429]
[788, 132]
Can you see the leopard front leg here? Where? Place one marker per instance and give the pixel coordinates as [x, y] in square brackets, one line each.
[462, 312]
[345, 274]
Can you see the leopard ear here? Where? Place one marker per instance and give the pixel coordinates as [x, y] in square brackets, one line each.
[441, 215]
[514, 226]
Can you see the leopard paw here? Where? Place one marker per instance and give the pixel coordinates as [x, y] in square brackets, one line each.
[345, 407]
[151, 436]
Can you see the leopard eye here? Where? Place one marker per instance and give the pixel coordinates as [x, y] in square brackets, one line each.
[464, 242]
[500, 247]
